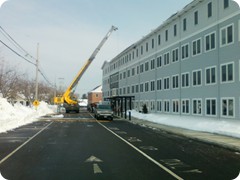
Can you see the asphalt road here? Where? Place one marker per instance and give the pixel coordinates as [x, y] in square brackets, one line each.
[79, 147]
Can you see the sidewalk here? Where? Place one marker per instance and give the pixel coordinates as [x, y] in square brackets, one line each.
[219, 140]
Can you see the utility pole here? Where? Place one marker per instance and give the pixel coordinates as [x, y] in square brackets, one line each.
[36, 102]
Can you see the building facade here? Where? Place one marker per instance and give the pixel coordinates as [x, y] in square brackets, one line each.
[189, 65]
[95, 96]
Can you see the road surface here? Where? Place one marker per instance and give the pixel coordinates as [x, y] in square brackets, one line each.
[79, 147]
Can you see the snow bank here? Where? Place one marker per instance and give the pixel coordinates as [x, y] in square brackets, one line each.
[14, 116]
[225, 127]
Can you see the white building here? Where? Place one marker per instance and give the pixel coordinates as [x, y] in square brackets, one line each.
[189, 65]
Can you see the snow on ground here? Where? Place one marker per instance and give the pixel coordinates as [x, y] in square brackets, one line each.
[13, 116]
[224, 126]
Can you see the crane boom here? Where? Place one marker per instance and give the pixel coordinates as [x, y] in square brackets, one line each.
[66, 98]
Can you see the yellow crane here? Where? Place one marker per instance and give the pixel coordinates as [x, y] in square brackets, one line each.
[68, 100]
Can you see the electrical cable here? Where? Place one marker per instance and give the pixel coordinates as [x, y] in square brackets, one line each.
[17, 53]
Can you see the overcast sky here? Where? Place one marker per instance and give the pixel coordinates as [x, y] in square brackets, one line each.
[68, 31]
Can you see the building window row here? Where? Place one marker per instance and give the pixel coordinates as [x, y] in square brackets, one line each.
[194, 106]
[195, 79]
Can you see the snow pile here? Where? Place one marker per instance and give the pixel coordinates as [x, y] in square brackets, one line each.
[224, 126]
[83, 102]
[14, 116]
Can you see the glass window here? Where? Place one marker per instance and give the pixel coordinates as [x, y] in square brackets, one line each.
[211, 107]
[225, 4]
[197, 106]
[227, 35]
[210, 9]
[227, 73]
[196, 17]
[228, 107]
[197, 78]
[184, 24]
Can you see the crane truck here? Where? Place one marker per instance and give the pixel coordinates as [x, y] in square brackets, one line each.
[67, 100]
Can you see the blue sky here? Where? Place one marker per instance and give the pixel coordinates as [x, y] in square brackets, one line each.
[69, 31]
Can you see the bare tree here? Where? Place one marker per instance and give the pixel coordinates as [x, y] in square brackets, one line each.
[9, 81]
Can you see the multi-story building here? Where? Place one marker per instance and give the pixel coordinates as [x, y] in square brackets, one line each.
[95, 96]
[189, 65]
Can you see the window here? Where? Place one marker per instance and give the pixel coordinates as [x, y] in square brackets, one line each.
[141, 50]
[146, 87]
[128, 73]
[146, 66]
[210, 75]
[137, 88]
[184, 24]
[166, 106]
[159, 84]
[185, 80]
[197, 106]
[210, 41]
[133, 71]
[225, 4]
[175, 30]
[211, 107]
[166, 83]
[175, 55]
[210, 9]
[128, 90]
[146, 47]
[185, 106]
[166, 58]
[185, 51]
[227, 73]
[133, 89]
[159, 106]
[141, 87]
[159, 39]
[227, 35]
[141, 68]
[152, 85]
[159, 61]
[227, 107]
[152, 105]
[175, 82]
[152, 43]
[197, 78]
[166, 35]
[124, 90]
[152, 64]
[196, 47]
[175, 106]
[195, 17]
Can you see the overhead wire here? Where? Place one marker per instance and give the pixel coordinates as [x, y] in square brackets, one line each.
[19, 47]
[17, 53]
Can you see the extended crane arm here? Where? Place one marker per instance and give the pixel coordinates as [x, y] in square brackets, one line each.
[66, 96]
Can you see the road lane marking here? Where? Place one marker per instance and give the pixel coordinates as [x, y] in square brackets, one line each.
[13, 152]
[144, 154]
[93, 159]
[134, 139]
[96, 169]
[180, 166]
[150, 148]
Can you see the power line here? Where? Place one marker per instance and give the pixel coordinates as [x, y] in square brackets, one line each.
[18, 46]
[17, 53]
